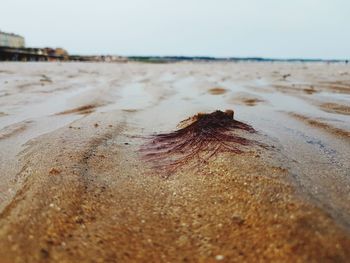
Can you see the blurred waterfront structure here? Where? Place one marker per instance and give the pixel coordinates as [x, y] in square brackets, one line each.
[12, 48]
[11, 40]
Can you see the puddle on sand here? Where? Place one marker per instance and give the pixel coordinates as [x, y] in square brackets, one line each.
[335, 95]
[132, 96]
[187, 97]
[49, 106]
[285, 102]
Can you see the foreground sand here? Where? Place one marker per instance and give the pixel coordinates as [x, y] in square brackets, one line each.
[76, 188]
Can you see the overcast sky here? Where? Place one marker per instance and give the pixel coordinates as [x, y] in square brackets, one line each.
[268, 28]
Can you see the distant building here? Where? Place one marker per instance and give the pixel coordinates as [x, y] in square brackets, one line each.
[11, 40]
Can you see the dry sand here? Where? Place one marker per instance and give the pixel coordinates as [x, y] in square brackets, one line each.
[75, 187]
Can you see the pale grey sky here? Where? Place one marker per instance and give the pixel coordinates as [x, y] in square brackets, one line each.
[268, 28]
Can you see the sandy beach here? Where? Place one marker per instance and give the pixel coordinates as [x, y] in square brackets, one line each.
[76, 183]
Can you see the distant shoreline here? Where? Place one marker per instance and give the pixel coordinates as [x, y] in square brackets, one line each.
[59, 54]
[159, 59]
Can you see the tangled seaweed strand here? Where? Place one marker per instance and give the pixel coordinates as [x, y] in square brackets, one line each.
[200, 138]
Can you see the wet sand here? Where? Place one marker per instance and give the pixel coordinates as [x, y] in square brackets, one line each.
[75, 186]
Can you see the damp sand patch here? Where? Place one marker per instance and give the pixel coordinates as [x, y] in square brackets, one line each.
[217, 91]
[322, 125]
[85, 109]
[335, 108]
[13, 129]
[247, 99]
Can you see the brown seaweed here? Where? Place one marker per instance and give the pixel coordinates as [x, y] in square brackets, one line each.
[199, 139]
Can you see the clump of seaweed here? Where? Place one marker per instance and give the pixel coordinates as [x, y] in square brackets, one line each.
[199, 138]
